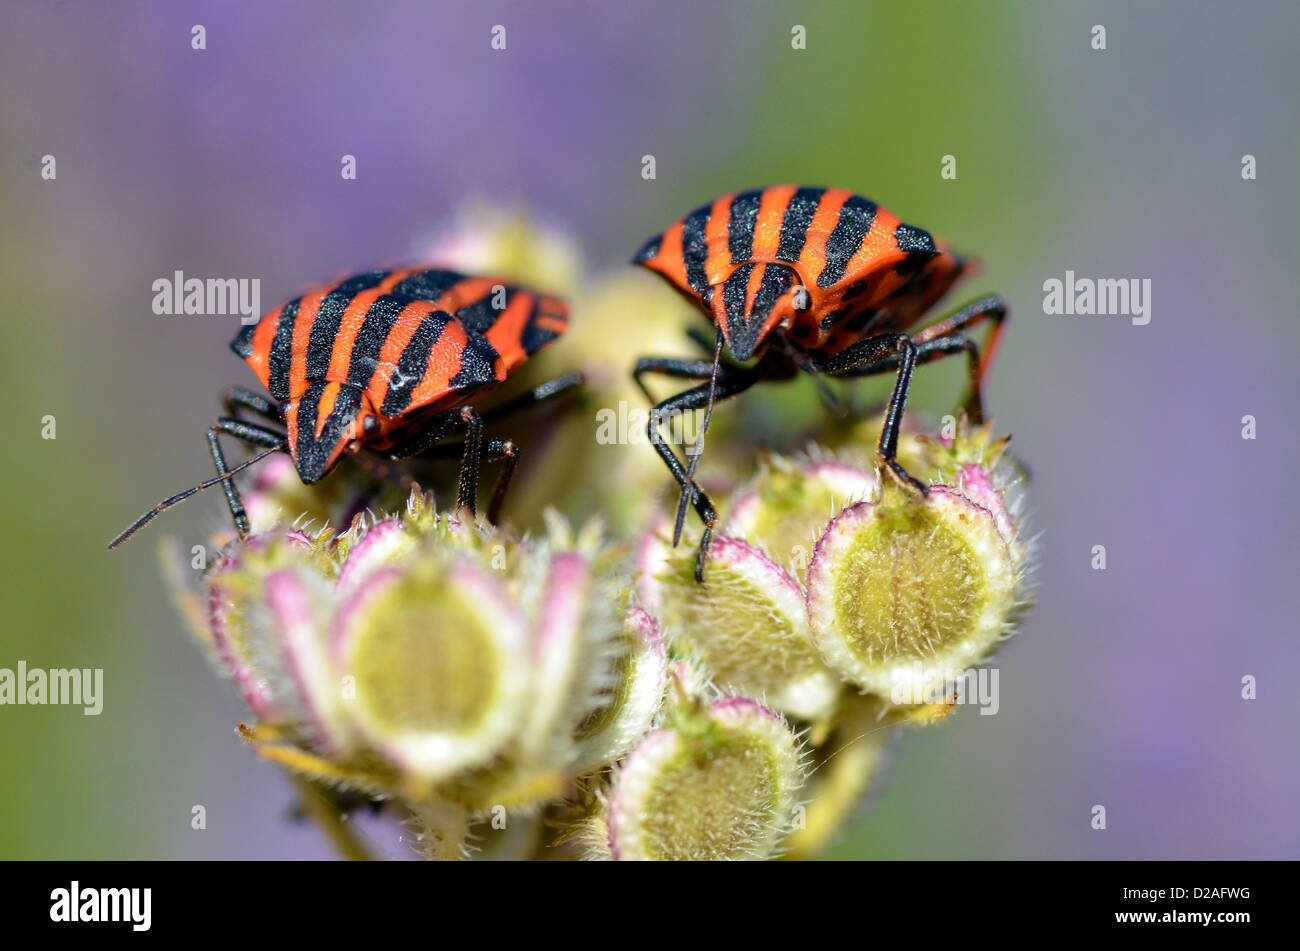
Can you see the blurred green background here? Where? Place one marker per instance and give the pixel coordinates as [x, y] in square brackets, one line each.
[1123, 687]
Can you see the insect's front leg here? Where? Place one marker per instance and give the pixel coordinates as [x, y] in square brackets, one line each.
[235, 398]
[729, 383]
[675, 367]
[253, 435]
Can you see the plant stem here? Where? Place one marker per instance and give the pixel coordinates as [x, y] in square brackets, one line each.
[334, 824]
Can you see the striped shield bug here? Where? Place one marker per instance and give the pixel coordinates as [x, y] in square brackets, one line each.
[388, 362]
[817, 280]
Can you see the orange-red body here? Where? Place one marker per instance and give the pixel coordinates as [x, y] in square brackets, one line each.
[366, 360]
[824, 266]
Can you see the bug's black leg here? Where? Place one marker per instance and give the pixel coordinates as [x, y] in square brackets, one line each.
[252, 434]
[729, 383]
[688, 370]
[235, 398]
[441, 427]
[670, 366]
[986, 308]
[506, 450]
[472, 444]
[930, 351]
[697, 449]
[862, 359]
[492, 450]
[256, 435]
[538, 394]
[467, 496]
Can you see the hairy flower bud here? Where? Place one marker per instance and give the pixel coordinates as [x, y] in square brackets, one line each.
[927, 580]
[442, 662]
[748, 627]
[787, 506]
[438, 656]
[823, 578]
[906, 592]
[719, 783]
[631, 704]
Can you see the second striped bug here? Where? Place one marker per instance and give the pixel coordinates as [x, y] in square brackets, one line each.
[813, 280]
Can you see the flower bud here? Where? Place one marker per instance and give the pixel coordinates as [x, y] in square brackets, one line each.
[720, 783]
[266, 609]
[787, 507]
[439, 658]
[926, 580]
[748, 626]
[633, 701]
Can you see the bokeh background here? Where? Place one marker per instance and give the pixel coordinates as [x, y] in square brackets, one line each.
[1124, 686]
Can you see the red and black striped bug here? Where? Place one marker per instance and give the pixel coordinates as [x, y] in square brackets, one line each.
[387, 361]
[818, 280]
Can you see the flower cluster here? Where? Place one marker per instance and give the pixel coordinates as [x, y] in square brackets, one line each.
[850, 605]
[821, 578]
[546, 691]
[435, 661]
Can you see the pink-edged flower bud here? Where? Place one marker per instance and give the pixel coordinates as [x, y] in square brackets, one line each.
[438, 656]
[787, 506]
[905, 592]
[719, 782]
[451, 665]
[629, 707]
[748, 627]
[268, 609]
[928, 581]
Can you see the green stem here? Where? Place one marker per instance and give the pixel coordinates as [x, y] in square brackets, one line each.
[443, 830]
[317, 805]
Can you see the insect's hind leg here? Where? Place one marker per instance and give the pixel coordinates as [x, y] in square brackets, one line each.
[929, 352]
[877, 355]
[537, 395]
[474, 448]
[729, 383]
[253, 435]
[990, 308]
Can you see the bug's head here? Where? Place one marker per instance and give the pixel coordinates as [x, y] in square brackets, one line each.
[753, 302]
[326, 421]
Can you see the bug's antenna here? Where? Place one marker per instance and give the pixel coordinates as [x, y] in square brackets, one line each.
[165, 504]
[688, 487]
